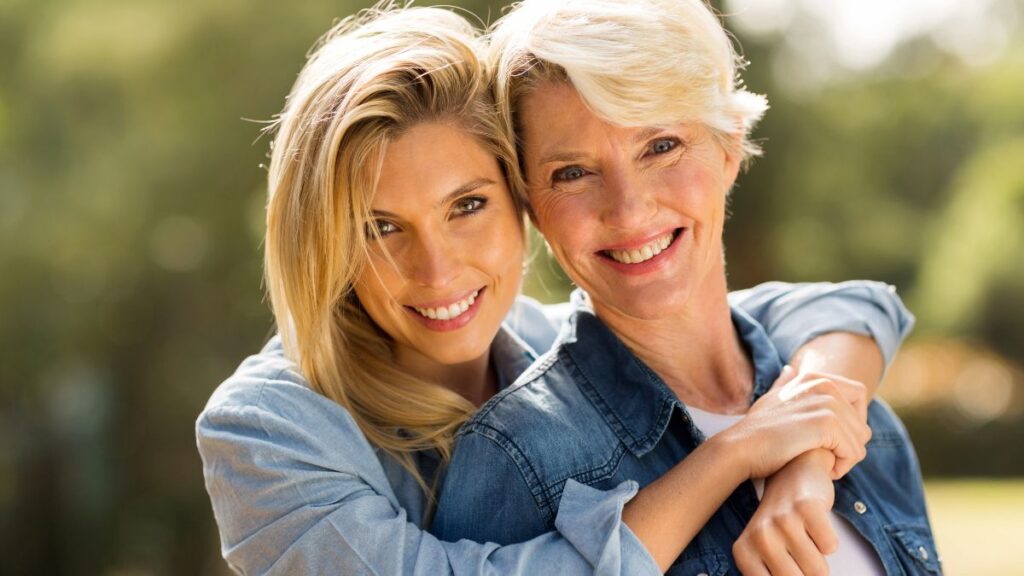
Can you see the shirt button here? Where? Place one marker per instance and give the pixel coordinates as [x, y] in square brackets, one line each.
[860, 507]
[922, 553]
[703, 574]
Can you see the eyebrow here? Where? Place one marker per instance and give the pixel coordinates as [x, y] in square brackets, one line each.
[461, 190]
[561, 157]
[645, 134]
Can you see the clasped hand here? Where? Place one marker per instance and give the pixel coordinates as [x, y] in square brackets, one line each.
[812, 429]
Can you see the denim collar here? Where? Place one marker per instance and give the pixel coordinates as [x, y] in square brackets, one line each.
[636, 404]
[511, 356]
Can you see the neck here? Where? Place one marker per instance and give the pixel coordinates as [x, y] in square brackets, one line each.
[474, 380]
[695, 350]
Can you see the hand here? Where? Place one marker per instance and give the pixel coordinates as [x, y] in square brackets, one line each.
[854, 392]
[791, 531]
[800, 413]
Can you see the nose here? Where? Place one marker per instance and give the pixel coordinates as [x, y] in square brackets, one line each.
[628, 201]
[436, 262]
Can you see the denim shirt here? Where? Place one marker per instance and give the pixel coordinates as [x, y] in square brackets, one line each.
[296, 488]
[591, 413]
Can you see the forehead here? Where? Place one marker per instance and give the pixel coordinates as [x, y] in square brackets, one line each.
[428, 161]
[553, 112]
[554, 118]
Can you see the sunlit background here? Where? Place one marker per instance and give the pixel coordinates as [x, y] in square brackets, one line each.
[131, 206]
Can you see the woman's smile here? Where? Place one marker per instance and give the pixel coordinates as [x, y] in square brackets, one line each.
[644, 256]
[450, 314]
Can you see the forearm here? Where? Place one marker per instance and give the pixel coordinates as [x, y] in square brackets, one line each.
[667, 514]
[852, 356]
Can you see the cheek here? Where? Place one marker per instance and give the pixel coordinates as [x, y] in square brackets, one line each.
[505, 253]
[562, 220]
[695, 192]
[375, 286]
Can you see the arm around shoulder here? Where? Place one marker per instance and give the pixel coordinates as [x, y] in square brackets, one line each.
[297, 489]
[487, 497]
[794, 314]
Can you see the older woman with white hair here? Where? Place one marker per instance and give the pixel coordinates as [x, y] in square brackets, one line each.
[632, 127]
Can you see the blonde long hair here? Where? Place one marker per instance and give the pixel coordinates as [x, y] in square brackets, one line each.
[371, 77]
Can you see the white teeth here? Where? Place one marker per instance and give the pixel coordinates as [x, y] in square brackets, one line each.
[644, 253]
[451, 311]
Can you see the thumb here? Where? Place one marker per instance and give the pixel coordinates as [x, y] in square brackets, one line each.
[788, 373]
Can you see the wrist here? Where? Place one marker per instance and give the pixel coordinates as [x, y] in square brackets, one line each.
[808, 476]
[817, 460]
[732, 453]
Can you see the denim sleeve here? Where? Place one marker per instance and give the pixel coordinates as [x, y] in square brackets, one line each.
[793, 314]
[486, 498]
[297, 489]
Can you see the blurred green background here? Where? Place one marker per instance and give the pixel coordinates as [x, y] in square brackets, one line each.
[131, 207]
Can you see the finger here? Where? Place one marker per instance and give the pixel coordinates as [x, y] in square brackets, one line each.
[852, 391]
[855, 393]
[772, 548]
[818, 524]
[748, 562]
[809, 560]
[849, 434]
[785, 377]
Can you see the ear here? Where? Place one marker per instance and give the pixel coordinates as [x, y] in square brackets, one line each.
[733, 158]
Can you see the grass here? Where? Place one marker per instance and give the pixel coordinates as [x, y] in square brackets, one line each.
[978, 525]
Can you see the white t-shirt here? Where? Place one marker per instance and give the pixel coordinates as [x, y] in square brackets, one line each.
[854, 557]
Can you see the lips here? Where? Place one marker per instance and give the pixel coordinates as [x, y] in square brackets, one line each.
[642, 253]
[449, 312]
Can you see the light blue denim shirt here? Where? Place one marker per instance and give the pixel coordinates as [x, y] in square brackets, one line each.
[297, 489]
[591, 414]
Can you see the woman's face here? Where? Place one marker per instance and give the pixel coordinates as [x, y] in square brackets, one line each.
[634, 215]
[455, 241]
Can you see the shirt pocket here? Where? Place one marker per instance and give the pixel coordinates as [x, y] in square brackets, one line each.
[705, 564]
[915, 549]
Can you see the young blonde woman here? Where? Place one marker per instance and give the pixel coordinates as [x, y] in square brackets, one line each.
[394, 256]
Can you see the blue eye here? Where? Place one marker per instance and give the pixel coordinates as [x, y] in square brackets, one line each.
[568, 174]
[470, 205]
[662, 145]
[380, 229]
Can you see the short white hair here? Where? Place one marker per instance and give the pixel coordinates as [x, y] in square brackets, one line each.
[634, 63]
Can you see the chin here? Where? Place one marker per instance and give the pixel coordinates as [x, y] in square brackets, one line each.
[653, 302]
[455, 354]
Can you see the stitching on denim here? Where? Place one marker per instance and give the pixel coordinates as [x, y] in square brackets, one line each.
[667, 404]
[553, 490]
[529, 378]
[266, 381]
[634, 441]
[522, 464]
[886, 439]
[597, 401]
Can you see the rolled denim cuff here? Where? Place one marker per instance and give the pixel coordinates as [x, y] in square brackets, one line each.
[879, 313]
[591, 520]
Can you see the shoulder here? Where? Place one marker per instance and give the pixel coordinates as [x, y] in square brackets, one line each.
[535, 323]
[545, 424]
[267, 402]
